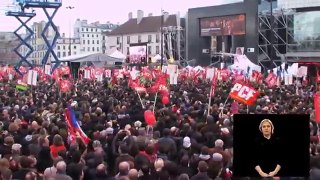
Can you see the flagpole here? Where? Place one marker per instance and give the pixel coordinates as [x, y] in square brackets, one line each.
[210, 97]
[224, 104]
[155, 100]
[140, 99]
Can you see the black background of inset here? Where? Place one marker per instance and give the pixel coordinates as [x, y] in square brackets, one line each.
[294, 133]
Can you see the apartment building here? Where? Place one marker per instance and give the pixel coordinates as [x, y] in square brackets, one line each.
[92, 35]
[8, 41]
[144, 30]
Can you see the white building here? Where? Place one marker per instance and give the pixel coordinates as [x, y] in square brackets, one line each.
[88, 38]
[67, 46]
[142, 30]
[92, 35]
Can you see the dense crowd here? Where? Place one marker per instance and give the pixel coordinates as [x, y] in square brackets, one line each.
[186, 142]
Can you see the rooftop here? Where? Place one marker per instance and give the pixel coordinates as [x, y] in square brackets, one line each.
[147, 24]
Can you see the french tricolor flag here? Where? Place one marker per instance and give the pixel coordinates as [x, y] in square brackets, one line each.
[74, 127]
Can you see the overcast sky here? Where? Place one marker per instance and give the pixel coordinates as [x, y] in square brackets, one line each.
[115, 11]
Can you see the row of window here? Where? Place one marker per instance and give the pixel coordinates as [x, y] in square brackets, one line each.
[139, 39]
[64, 47]
[89, 30]
[72, 40]
[88, 35]
[149, 50]
[88, 42]
[64, 54]
[93, 49]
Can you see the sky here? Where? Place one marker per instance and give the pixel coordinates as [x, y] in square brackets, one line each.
[115, 11]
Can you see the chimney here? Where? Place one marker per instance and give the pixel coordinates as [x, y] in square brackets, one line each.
[150, 14]
[139, 16]
[130, 15]
[165, 16]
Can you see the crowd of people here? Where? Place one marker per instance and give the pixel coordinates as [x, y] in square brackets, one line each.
[185, 143]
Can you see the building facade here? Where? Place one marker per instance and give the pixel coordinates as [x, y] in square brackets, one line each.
[295, 31]
[8, 41]
[67, 47]
[201, 45]
[92, 35]
[145, 30]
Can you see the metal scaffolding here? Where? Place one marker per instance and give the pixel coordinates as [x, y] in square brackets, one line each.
[44, 5]
[275, 36]
[174, 43]
[23, 17]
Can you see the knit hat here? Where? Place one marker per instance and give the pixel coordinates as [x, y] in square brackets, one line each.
[217, 157]
[218, 143]
[186, 142]
[109, 131]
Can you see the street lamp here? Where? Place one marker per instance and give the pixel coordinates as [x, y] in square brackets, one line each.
[70, 8]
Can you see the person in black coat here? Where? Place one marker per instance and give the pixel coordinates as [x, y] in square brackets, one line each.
[267, 147]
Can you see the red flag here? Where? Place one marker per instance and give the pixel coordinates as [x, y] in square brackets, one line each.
[214, 82]
[65, 85]
[244, 93]
[317, 107]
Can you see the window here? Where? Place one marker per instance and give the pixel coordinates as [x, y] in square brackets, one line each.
[97, 31]
[69, 53]
[92, 41]
[88, 48]
[82, 35]
[149, 49]
[103, 38]
[64, 47]
[64, 54]
[92, 48]
[83, 41]
[74, 47]
[63, 41]
[92, 35]
[58, 47]
[98, 49]
[157, 38]
[128, 39]
[128, 51]
[82, 29]
[157, 50]
[97, 35]
[74, 53]
[97, 41]
[87, 29]
[139, 38]
[118, 40]
[149, 38]
[88, 41]
[92, 30]
[88, 35]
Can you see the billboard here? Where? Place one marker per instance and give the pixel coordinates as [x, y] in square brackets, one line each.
[137, 53]
[223, 25]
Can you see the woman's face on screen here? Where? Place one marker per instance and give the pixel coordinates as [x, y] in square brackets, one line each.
[266, 128]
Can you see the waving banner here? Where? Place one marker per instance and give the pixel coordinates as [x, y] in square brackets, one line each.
[317, 107]
[244, 94]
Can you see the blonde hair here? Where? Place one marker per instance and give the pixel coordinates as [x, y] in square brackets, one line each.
[268, 121]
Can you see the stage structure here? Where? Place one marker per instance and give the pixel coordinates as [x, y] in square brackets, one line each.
[23, 17]
[45, 5]
[275, 37]
[174, 43]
